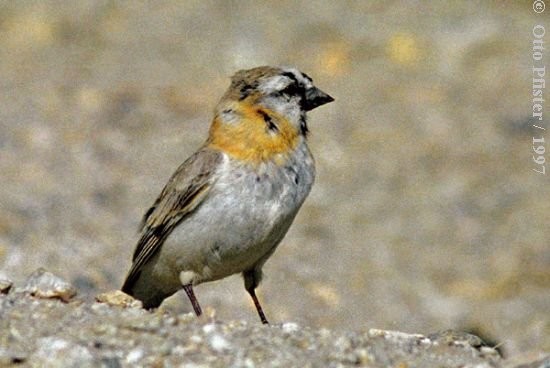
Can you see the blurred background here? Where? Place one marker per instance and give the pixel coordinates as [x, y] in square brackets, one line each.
[426, 213]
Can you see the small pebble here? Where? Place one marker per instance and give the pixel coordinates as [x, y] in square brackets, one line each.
[44, 284]
[211, 327]
[395, 336]
[457, 338]
[195, 339]
[134, 356]
[219, 343]
[290, 327]
[5, 286]
[59, 352]
[119, 299]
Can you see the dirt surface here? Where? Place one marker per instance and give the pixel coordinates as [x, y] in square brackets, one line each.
[41, 327]
[426, 214]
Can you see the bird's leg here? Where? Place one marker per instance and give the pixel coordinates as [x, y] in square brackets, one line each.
[196, 306]
[251, 280]
[258, 307]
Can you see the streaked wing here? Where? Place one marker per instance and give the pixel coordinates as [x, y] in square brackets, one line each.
[185, 190]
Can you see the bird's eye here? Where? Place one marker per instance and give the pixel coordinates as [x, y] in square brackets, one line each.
[292, 89]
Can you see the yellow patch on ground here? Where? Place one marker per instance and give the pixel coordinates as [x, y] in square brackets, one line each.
[403, 48]
[28, 30]
[90, 99]
[326, 293]
[334, 59]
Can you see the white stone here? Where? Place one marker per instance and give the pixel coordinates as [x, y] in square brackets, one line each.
[219, 343]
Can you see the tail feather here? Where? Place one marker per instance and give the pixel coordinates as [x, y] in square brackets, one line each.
[146, 292]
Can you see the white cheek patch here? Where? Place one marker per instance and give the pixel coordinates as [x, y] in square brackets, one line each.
[228, 113]
[230, 117]
[276, 83]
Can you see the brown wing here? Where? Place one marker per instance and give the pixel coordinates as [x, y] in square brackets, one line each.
[185, 190]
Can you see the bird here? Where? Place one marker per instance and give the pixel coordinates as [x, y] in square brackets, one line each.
[225, 210]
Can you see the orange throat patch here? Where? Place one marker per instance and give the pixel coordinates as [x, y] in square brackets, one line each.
[256, 135]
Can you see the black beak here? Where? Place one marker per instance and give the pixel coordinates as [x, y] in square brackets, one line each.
[315, 98]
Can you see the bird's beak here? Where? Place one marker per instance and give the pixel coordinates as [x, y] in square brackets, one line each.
[315, 98]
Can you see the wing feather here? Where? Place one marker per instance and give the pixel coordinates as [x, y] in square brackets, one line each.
[183, 193]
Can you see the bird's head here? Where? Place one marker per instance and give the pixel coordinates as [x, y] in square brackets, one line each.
[265, 108]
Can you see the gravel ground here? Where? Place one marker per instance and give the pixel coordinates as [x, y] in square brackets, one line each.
[426, 214]
[42, 325]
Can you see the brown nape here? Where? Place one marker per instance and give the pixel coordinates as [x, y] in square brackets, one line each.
[245, 82]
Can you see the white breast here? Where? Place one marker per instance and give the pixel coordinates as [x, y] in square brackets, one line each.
[245, 215]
